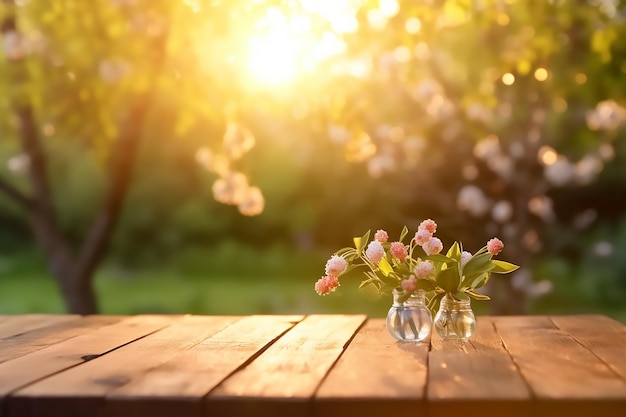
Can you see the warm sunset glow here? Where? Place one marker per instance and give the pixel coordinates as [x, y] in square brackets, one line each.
[272, 59]
[284, 44]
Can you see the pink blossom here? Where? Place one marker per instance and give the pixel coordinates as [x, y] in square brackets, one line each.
[429, 225]
[381, 236]
[465, 257]
[422, 236]
[375, 251]
[398, 250]
[408, 285]
[495, 246]
[336, 265]
[424, 269]
[326, 285]
[433, 246]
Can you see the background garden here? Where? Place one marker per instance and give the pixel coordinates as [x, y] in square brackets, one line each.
[209, 156]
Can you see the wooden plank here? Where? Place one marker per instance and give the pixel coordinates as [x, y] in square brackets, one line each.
[29, 368]
[25, 343]
[18, 324]
[566, 378]
[81, 391]
[603, 336]
[476, 377]
[376, 375]
[284, 378]
[178, 386]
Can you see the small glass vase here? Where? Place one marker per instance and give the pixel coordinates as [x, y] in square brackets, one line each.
[455, 319]
[410, 321]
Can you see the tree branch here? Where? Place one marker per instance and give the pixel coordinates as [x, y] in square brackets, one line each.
[16, 195]
[42, 212]
[120, 172]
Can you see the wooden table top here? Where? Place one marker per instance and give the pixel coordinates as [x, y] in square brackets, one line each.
[317, 365]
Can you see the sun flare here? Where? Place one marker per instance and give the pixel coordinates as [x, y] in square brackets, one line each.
[285, 44]
[273, 59]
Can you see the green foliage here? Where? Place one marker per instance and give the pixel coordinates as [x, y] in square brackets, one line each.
[87, 60]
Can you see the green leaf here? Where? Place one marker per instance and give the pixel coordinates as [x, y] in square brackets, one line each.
[425, 284]
[359, 242]
[479, 283]
[501, 267]
[478, 264]
[404, 232]
[454, 252]
[385, 267]
[448, 279]
[477, 296]
[439, 258]
[460, 295]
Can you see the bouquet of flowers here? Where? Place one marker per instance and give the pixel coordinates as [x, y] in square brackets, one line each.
[405, 268]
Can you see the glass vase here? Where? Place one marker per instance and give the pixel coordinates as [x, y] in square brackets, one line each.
[455, 319]
[410, 321]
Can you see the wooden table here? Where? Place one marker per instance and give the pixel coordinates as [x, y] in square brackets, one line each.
[318, 365]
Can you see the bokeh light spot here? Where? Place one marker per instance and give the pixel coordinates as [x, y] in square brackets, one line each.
[541, 74]
[508, 78]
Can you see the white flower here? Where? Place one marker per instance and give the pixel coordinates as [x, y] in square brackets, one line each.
[336, 265]
[375, 251]
[465, 257]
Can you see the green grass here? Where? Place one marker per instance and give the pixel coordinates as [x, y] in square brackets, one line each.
[196, 286]
[25, 287]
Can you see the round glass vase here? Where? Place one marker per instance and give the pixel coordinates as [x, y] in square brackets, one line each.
[455, 319]
[410, 321]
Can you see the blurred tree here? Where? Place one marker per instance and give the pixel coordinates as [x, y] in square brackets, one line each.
[472, 112]
[72, 268]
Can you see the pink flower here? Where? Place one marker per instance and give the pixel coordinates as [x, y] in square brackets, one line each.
[381, 236]
[433, 246]
[429, 225]
[336, 265]
[408, 285]
[375, 251]
[326, 285]
[424, 269]
[465, 257]
[422, 236]
[495, 246]
[398, 250]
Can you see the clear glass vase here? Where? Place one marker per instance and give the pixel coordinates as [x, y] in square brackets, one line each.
[455, 319]
[410, 321]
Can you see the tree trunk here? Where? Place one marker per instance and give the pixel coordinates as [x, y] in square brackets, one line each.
[74, 270]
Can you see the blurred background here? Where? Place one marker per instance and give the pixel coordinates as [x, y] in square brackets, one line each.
[208, 156]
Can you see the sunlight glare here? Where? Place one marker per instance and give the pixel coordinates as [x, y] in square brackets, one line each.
[272, 59]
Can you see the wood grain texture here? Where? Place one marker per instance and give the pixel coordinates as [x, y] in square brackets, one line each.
[564, 376]
[322, 366]
[375, 376]
[476, 377]
[81, 391]
[179, 385]
[19, 324]
[63, 355]
[284, 378]
[25, 343]
[605, 337]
